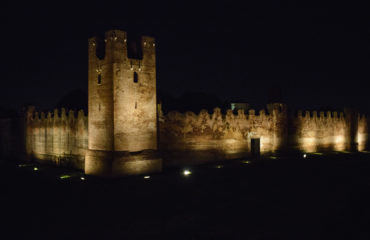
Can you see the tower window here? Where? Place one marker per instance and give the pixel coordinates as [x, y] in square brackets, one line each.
[136, 77]
[99, 79]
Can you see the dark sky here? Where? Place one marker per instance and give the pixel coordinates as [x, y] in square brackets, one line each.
[318, 53]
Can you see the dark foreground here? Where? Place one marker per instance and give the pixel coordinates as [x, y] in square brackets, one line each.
[320, 197]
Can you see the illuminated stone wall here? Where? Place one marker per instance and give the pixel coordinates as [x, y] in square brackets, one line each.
[362, 133]
[190, 138]
[135, 111]
[57, 138]
[329, 131]
[326, 131]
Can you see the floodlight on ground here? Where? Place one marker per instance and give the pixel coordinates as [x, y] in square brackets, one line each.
[304, 155]
[219, 166]
[247, 162]
[146, 177]
[35, 169]
[23, 165]
[186, 172]
[64, 176]
[82, 178]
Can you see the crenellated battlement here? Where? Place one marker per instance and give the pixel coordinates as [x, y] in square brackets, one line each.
[252, 114]
[56, 114]
[329, 115]
[119, 36]
[116, 44]
[325, 116]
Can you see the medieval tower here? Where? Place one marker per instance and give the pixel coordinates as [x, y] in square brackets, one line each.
[122, 124]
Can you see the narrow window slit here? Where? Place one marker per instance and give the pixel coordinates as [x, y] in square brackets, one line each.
[99, 79]
[136, 77]
[135, 105]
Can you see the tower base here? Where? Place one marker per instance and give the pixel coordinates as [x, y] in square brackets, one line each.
[107, 163]
[98, 163]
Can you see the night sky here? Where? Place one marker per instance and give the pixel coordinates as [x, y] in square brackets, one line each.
[318, 54]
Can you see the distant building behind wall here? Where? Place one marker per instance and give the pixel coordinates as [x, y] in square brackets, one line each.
[235, 106]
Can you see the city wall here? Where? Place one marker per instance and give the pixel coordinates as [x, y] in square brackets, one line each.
[313, 131]
[57, 137]
[188, 138]
[191, 139]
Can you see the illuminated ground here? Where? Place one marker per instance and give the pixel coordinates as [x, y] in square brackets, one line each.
[320, 197]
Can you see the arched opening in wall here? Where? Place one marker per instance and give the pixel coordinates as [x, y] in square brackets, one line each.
[99, 79]
[136, 77]
[100, 46]
[134, 48]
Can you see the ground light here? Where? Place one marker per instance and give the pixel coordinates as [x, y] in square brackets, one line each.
[186, 172]
[247, 162]
[146, 177]
[64, 176]
[219, 166]
[35, 169]
[83, 178]
[24, 165]
[304, 155]
[318, 153]
[273, 157]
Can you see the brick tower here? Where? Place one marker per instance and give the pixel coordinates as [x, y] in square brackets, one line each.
[122, 106]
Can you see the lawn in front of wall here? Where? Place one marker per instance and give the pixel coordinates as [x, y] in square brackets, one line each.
[321, 196]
